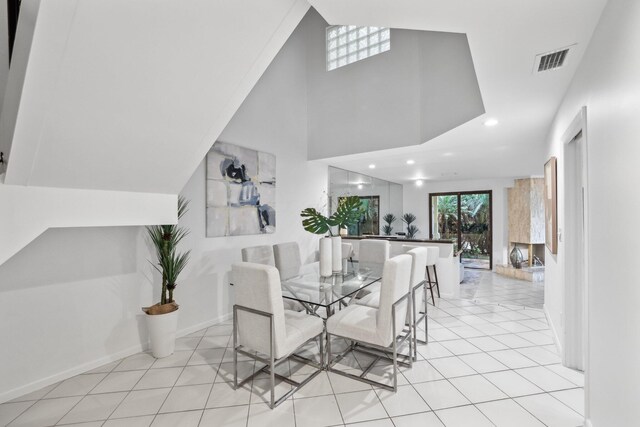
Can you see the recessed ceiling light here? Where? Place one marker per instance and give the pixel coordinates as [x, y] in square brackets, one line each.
[372, 166]
[491, 122]
[447, 154]
[359, 186]
[418, 182]
[410, 162]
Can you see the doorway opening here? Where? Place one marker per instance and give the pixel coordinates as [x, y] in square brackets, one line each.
[465, 217]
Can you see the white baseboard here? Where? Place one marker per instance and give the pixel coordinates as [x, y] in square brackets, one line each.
[556, 338]
[208, 323]
[61, 376]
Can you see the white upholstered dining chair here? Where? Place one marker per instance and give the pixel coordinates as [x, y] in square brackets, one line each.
[347, 251]
[264, 255]
[375, 330]
[420, 256]
[373, 251]
[418, 293]
[287, 259]
[259, 255]
[264, 331]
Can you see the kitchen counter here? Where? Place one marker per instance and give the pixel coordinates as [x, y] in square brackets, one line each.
[448, 264]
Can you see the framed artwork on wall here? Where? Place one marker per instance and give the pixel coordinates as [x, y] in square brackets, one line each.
[551, 204]
[241, 191]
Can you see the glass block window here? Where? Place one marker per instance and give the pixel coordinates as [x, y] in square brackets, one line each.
[347, 44]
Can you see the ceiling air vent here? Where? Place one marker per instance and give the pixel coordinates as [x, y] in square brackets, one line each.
[551, 60]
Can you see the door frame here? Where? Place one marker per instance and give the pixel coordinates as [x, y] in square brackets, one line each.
[576, 248]
[575, 351]
[460, 194]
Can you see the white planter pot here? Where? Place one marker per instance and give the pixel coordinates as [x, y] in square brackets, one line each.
[162, 333]
[336, 254]
[326, 263]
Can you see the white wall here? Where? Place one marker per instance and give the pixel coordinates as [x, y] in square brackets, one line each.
[423, 86]
[608, 84]
[71, 299]
[416, 201]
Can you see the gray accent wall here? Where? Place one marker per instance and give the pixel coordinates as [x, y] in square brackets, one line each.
[423, 87]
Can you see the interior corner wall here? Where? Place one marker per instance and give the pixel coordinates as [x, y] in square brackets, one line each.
[607, 83]
[416, 201]
[71, 299]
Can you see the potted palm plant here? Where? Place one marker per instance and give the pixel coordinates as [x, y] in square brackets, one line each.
[348, 212]
[162, 318]
[412, 230]
[389, 219]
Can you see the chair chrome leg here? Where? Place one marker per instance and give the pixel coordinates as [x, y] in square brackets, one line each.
[414, 326]
[272, 373]
[435, 273]
[424, 317]
[395, 352]
[321, 339]
[328, 350]
[426, 323]
[235, 346]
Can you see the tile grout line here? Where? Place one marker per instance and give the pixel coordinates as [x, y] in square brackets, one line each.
[177, 378]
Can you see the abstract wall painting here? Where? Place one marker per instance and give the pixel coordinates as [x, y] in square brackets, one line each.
[551, 204]
[241, 191]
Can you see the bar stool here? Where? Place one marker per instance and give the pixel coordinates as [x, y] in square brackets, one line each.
[432, 259]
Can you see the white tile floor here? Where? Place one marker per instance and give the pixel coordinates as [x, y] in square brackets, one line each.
[488, 287]
[486, 364]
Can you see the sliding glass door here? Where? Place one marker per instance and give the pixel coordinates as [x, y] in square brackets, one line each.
[466, 219]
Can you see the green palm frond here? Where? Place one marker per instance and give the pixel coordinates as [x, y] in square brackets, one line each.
[183, 206]
[165, 239]
[172, 265]
[408, 218]
[389, 218]
[412, 230]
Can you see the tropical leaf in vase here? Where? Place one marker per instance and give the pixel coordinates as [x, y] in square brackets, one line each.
[314, 222]
[349, 212]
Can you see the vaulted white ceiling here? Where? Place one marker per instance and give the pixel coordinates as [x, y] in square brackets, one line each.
[504, 38]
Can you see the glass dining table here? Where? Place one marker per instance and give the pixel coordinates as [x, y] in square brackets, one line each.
[316, 292]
